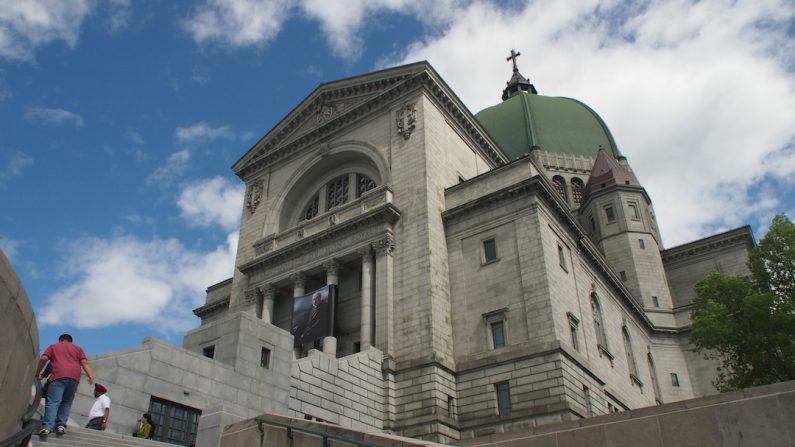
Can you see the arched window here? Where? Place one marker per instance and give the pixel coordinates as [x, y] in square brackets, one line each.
[633, 367]
[577, 187]
[598, 321]
[560, 186]
[311, 208]
[655, 384]
[336, 192]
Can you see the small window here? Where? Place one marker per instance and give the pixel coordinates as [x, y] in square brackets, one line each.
[593, 223]
[489, 250]
[574, 327]
[674, 379]
[498, 334]
[209, 351]
[450, 406]
[642, 244]
[562, 257]
[265, 358]
[357, 346]
[577, 186]
[633, 211]
[610, 214]
[588, 403]
[623, 275]
[503, 391]
[655, 301]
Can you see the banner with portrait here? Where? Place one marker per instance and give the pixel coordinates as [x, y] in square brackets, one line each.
[313, 315]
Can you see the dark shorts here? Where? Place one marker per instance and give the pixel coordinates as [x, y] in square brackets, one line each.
[95, 424]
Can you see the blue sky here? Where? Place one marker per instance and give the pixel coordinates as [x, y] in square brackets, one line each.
[119, 122]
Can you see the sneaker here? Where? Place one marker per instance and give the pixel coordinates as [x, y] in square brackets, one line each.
[43, 433]
[59, 430]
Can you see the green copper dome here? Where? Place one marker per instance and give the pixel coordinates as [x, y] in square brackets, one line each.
[564, 125]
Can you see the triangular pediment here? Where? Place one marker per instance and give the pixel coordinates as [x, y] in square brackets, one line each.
[327, 104]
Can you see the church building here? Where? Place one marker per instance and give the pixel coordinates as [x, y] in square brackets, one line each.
[405, 265]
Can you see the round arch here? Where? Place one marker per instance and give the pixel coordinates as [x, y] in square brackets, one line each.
[340, 158]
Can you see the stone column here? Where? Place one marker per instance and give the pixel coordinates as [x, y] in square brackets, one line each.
[365, 337]
[384, 306]
[332, 278]
[299, 281]
[268, 297]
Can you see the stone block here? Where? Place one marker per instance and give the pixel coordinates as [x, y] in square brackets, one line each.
[641, 432]
[693, 428]
[589, 436]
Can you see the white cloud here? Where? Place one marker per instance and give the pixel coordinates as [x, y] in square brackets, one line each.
[156, 282]
[29, 24]
[342, 21]
[700, 96]
[119, 15]
[173, 168]
[201, 132]
[53, 116]
[127, 280]
[9, 247]
[16, 164]
[237, 23]
[215, 201]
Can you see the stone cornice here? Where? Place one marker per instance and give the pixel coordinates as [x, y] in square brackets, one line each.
[737, 236]
[209, 308]
[386, 213]
[273, 146]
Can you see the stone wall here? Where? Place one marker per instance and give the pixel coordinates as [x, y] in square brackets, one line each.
[761, 416]
[19, 351]
[347, 391]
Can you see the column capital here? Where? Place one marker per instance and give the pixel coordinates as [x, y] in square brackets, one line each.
[267, 290]
[251, 295]
[385, 245]
[366, 252]
[298, 279]
[332, 267]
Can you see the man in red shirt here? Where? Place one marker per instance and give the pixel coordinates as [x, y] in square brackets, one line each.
[66, 359]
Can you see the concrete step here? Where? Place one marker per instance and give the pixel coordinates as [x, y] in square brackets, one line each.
[83, 437]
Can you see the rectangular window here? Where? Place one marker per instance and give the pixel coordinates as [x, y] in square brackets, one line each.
[610, 213]
[498, 334]
[593, 223]
[265, 358]
[357, 346]
[562, 257]
[209, 351]
[633, 211]
[489, 250]
[655, 301]
[588, 404]
[674, 379]
[450, 406]
[642, 244]
[503, 391]
[623, 275]
[574, 325]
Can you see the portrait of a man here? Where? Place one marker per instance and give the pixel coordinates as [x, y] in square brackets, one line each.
[312, 316]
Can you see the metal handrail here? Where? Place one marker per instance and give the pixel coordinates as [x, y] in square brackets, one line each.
[22, 436]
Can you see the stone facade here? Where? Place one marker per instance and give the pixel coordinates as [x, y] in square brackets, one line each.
[476, 295]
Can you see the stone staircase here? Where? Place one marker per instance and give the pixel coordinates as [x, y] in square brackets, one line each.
[83, 437]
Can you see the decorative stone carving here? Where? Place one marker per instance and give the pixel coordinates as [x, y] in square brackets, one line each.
[332, 267]
[254, 196]
[406, 120]
[298, 279]
[385, 245]
[251, 295]
[268, 291]
[328, 111]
